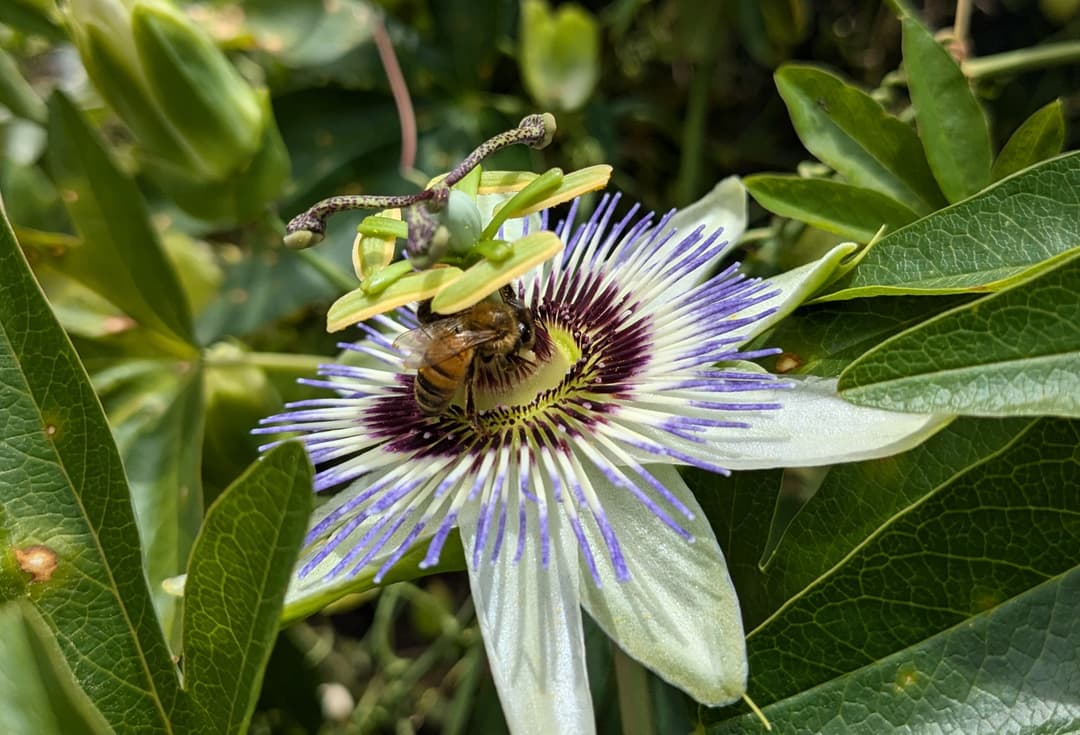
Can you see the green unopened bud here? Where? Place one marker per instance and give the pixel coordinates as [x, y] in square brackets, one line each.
[197, 88]
[560, 54]
[204, 134]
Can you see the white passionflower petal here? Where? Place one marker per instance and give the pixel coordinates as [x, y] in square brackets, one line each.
[572, 432]
[529, 612]
[678, 613]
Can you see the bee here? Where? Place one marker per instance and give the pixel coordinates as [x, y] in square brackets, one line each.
[445, 350]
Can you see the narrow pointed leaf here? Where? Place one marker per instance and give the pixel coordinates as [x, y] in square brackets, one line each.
[952, 125]
[1009, 669]
[155, 408]
[847, 129]
[979, 245]
[37, 693]
[1016, 353]
[833, 206]
[1040, 137]
[121, 257]
[240, 567]
[63, 488]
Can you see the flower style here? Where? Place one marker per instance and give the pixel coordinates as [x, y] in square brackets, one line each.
[562, 480]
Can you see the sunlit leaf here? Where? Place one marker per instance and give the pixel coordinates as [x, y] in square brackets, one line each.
[982, 244]
[120, 257]
[64, 490]
[852, 133]
[833, 206]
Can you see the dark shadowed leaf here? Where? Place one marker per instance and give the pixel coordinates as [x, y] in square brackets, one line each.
[852, 133]
[1040, 137]
[987, 532]
[240, 566]
[833, 206]
[983, 244]
[63, 489]
[952, 125]
[1009, 669]
[1016, 353]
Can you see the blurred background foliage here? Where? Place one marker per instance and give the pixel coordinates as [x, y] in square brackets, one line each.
[115, 168]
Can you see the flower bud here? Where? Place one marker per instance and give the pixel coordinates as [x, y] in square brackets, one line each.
[205, 135]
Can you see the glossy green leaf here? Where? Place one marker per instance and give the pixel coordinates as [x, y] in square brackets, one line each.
[240, 567]
[823, 339]
[155, 408]
[982, 244]
[852, 133]
[37, 694]
[1009, 669]
[306, 34]
[64, 488]
[1040, 137]
[833, 206]
[988, 531]
[952, 125]
[1016, 353]
[121, 257]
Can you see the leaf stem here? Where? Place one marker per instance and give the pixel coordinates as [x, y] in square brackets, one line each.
[1011, 62]
[635, 708]
[327, 270]
[269, 361]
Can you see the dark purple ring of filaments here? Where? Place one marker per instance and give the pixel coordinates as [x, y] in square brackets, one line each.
[614, 331]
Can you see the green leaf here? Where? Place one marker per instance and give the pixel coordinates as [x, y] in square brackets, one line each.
[987, 531]
[1016, 353]
[1011, 668]
[240, 567]
[821, 533]
[952, 125]
[1040, 137]
[823, 339]
[64, 489]
[155, 408]
[982, 244]
[121, 257]
[843, 209]
[852, 133]
[37, 694]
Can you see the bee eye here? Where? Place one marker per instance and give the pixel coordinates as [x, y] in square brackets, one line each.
[525, 333]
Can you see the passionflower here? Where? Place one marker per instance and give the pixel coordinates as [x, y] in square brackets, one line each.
[562, 478]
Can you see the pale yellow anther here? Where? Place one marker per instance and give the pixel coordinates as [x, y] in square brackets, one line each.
[356, 306]
[485, 278]
[574, 184]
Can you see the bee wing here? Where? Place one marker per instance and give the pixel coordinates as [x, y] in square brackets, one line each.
[430, 344]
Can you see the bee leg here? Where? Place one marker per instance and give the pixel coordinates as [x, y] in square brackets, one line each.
[470, 400]
[423, 312]
[509, 295]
